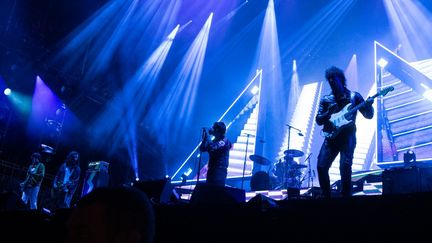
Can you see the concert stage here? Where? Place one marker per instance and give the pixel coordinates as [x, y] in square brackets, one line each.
[362, 218]
[384, 218]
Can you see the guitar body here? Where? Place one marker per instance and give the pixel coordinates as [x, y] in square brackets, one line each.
[338, 121]
[25, 184]
[343, 118]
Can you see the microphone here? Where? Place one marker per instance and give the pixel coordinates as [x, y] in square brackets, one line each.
[300, 134]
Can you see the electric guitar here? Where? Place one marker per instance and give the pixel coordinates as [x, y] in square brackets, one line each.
[62, 187]
[32, 178]
[26, 183]
[343, 118]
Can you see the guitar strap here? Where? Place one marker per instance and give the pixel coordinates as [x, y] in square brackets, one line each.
[352, 95]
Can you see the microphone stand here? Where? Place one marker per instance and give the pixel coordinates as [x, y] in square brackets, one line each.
[244, 164]
[289, 134]
[310, 178]
[288, 147]
[203, 135]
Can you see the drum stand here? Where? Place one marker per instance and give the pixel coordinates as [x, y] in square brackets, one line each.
[244, 165]
[285, 183]
[310, 176]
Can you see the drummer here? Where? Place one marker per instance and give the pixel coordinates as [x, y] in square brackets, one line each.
[286, 172]
[283, 166]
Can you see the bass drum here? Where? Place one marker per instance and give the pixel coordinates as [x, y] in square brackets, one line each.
[260, 181]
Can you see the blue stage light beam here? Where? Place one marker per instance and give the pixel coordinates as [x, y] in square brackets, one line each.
[294, 91]
[21, 102]
[411, 24]
[351, 74]
[229, 16]
[311, 37]
[273, 98]
[253, 80]
[95, 31]
[122, 29]
[44, 106]
[130, 103]
[174, 105]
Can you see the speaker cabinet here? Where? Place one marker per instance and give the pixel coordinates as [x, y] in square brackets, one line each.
[407, 180]
[96, 176]
[217, 195]
[426, 179]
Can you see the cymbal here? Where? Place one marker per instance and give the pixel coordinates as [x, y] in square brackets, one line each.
[46, 149]
[259, 159]
[297, 166]
[293, 153]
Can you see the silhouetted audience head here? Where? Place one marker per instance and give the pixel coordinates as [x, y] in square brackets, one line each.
[112, 215]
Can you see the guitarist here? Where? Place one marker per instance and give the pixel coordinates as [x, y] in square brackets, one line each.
[31, 185]
[66, 181]
[345, 141]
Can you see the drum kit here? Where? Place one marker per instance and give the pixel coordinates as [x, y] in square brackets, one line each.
[286, 173]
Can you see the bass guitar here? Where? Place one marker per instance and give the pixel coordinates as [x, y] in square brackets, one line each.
[343, 118]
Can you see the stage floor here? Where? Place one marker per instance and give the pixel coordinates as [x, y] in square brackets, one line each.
[369, 189]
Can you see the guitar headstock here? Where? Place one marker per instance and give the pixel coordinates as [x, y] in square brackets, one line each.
[385, 91]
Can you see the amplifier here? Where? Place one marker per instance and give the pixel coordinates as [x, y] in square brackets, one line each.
[412, 179]
[96, 176]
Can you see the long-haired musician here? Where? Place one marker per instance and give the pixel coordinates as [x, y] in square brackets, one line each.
[66, 180]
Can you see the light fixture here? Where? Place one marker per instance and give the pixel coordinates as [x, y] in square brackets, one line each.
[409, 157]
[7, 91]
[254, 90]
[382, 62]
[185, 175]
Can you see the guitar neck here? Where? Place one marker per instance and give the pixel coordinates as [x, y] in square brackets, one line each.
[359, 106]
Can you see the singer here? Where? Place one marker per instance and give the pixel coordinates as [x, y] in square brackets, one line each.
[218, 150]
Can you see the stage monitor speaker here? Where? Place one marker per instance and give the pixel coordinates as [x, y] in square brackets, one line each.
[96, 176]
[262, 202]
[217, 195]
[159, 191]
[401, 180]
[426, 179]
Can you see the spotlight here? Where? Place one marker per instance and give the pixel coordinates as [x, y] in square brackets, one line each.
[409, 157]
[7, 91]
[137, 179]
[254, 90]
[188, 172]
[185, 175]
[382, 62]
[173, 33]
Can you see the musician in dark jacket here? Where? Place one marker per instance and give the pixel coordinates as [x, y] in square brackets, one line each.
[342, 140]
[218, 150]
[66, 180]
[31, 185]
